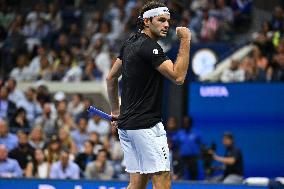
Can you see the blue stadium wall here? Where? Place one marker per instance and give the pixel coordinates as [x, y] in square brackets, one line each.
[253, 112]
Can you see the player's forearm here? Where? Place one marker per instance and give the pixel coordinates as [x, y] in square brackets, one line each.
[182, 61]
[225, 160]
[112, 86]
[112, 89]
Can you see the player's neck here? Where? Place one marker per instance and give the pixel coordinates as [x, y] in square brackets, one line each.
[149, 33]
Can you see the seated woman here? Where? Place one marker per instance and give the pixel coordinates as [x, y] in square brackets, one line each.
[19, 121]
[39, 168]
[66, 141]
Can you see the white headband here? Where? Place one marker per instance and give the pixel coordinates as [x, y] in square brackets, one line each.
[156, 12]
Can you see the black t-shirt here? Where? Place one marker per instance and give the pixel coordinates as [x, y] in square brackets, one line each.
[237, 167]
[142, 84]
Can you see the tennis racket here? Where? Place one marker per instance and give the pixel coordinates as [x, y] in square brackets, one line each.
[94, 111]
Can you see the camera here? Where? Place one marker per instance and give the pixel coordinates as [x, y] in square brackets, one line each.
[207, 157]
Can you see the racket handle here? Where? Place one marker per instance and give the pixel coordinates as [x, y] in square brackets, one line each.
[94, 111]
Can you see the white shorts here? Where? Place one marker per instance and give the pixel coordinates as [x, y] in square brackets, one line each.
[145, 150]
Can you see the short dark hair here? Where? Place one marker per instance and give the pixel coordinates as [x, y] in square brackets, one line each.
[20, 110]
[79, 95]
[64, 150]
[13, 80]
[148, 6]
[228, 135]
[104, 151]
[90, 142]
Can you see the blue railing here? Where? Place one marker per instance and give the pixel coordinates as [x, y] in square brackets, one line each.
[88, 184]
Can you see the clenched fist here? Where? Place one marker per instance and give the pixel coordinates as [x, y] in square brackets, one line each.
[183, 33]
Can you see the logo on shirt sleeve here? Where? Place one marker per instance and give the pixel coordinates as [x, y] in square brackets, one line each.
[155, 51]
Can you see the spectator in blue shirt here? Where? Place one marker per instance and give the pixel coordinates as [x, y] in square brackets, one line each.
[171, 127]
[8, 139]
[64, 168]
[242, 12]
[80, 134]
[30, 104]
[7, 107]
[277, 20]
[172, 130]
[9, 168]
[188, 142]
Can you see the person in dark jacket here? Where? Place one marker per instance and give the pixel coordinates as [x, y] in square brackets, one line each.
[83, 158]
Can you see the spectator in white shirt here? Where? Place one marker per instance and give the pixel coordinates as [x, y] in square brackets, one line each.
[103, 62]
[37, 138]
[234, 73]
[47, 121]
[39, 168]
[101, 168]
[15, 95]
[54, 17]
[98, 50]
[21, 71]
[75, 106]
[34, 66]
[100, 126]
[64, 168]
[33, 19]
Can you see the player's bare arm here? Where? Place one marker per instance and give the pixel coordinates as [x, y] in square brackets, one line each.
[112, 87]
[177, 72]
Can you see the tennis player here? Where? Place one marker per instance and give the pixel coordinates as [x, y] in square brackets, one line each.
[142, 64]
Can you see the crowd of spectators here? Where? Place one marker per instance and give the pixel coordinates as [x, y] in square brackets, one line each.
[44, 135]
[265, 62]
[52, 136]
[55, 42]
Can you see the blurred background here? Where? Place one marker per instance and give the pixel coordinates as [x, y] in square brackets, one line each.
[55, 56]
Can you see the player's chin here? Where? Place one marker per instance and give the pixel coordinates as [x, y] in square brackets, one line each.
[163, 34]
